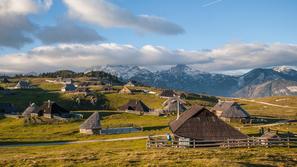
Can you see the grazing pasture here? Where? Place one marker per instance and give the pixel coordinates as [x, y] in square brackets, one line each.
[131, 153]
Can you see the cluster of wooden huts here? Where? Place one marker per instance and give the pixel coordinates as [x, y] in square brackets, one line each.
[48, 109]
[193, 123]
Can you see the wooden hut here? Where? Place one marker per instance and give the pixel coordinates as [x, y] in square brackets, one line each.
[68, 88]
[125, 90]
[64, 80]
[4, 80]
[51, 109]
[32, 110]
[23, 85]
[172, 104]
[230, 111]
[7, 108]
[199, 124]
[167, 93]
[129, 84]
[135, 105]
[91, 125]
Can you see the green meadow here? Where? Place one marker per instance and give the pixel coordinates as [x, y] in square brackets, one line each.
[130, 153]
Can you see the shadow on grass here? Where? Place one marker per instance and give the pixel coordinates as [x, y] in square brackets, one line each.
[246, 164]
[154, 128]
[267, 120]
[37, 95]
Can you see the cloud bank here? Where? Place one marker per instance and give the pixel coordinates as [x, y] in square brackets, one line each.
[106, 14]
[80, 56]
[15, 27]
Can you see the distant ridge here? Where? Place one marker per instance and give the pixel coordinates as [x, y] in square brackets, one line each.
[260, 82]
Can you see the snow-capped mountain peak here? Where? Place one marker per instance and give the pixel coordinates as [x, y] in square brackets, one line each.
[282, 69]
[182, 68]
[121, 71]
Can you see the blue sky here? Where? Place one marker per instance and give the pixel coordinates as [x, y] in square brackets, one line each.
[226, 21]
[198, 25]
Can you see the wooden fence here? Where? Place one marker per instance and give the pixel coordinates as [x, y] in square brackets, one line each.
[230, 143]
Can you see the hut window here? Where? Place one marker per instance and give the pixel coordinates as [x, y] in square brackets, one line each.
[198, 118]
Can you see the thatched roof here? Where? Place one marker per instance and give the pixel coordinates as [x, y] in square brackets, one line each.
[93, 122]
[167, 93]
[230, 109]
[201, 124]
[53, 108]
[33, 108]
[7, 108]
[135, 105]
[171, 104]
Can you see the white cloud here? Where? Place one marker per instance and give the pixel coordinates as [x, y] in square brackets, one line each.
[106, 14]
[17, 7]
[67, 32]
[23, 7]
[252, 55]
[14, 25]
[79, 56]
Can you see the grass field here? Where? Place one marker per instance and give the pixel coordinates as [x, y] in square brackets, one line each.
[271, 111]
[131, 153]
[13, 130]
[134, 153]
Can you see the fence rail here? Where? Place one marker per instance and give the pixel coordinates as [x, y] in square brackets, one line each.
[229, 143]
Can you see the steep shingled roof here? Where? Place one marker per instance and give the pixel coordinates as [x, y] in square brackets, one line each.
[93, 122]
[171, 104]
[33, 108]
[53, 108]
[23, 84]
[230, 110]
[135, 105]
[201, 124]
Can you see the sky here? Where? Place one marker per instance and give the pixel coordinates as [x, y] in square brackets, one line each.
[213, 35]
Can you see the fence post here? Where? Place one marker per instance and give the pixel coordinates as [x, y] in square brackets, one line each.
[248, 142]
[148, 143]
[228, 143]
[288, 140]
[194, 144]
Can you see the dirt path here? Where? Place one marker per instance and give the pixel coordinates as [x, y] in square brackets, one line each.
[79, 142]
[265, 103]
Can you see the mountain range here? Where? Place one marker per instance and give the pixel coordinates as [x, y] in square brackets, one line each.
[260, 82]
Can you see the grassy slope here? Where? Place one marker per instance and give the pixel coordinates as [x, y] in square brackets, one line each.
[267, 110]
[131, 152]
[13, 130]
